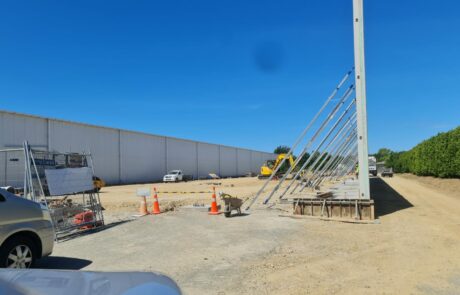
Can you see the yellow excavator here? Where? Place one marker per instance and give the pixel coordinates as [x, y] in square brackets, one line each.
[269, 166]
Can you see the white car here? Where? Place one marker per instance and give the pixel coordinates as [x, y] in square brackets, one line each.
[173, 176]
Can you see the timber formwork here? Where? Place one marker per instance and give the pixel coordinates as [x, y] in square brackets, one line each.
[335, 209]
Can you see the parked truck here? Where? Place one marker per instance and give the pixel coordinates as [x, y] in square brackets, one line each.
[373, 165]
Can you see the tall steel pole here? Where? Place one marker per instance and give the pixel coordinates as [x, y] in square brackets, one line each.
[360, 78]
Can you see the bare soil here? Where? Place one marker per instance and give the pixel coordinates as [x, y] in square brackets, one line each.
[173, 195]
[448, 186]
[413, 250]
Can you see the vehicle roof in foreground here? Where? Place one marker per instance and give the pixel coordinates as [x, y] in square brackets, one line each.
[57, 282]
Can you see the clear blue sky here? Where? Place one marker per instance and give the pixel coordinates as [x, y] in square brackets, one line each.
[220, 71]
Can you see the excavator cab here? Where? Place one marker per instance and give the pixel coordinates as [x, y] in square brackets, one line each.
[269, 166]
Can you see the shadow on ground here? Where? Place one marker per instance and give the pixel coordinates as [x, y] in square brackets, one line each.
[57, 262]
[386, 199]
[92, 231]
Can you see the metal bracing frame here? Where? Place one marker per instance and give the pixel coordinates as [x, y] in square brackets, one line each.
[331, 130]
[328, 119]
[360, 80]
[344, 147]
[303, 134]
[311, 168]
[344, 168]
[351, 150]
[341, 155]
[349, 135]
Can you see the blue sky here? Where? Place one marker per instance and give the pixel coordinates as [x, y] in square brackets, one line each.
[222, 71]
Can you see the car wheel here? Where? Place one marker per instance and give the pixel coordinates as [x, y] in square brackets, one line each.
[18, 252]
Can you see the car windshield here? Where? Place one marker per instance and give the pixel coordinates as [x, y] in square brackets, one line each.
[174, 172]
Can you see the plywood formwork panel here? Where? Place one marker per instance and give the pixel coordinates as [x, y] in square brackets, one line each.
[181, 154]
[228, 161]
[102, 143]
[142, 157]
[244, 162]
[208, 159]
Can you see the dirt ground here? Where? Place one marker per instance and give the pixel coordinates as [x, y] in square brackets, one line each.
[447, 186]
[413, 249]
[122, 198]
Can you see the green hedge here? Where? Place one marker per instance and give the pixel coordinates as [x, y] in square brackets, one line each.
[438, 156]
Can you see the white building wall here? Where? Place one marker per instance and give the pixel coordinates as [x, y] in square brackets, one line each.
[181, 154]
[142, 157]
[101, 143]
[257, 160]
[121, 156]
[14, 129]
[244, 162]
[228, 161]
[208, 159]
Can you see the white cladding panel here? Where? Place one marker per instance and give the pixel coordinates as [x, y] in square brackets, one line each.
[227, 161]
[244, 162]
[181, 155]
[14, 130]
[100, 142]
[3, 175]
[142, 157]
[208, 159]
[256, 161]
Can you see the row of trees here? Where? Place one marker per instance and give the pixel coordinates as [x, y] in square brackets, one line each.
[438, 156]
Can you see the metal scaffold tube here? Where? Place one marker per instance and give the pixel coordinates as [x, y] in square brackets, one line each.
[337, 148]
[327, 164]
[331, 115]
[346, 161]
[347, 151]
[302, 135]
[345, 127]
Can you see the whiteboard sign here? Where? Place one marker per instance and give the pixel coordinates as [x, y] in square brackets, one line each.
[69, 180]
[143, 192]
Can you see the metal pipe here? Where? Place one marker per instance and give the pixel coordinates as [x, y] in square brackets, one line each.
[341, 102]
[344, 127]
[344, 148]
[302, 135]
[342, 142]
[320, 179]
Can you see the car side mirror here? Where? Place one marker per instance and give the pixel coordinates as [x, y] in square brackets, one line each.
[2, 198]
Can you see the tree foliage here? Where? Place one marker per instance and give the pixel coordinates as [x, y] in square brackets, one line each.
[281, 149]
[438, 156]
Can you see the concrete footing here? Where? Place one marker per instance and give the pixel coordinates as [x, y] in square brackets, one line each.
[335, 209]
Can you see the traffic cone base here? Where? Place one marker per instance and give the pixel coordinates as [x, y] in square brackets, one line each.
[214, 209]
[143, 207]
[156, 205]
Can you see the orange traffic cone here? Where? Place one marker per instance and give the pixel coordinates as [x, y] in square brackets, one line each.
[156, 205]
[143, 208]
[214, 210]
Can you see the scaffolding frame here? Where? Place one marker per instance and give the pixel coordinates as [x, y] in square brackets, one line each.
[70, 213]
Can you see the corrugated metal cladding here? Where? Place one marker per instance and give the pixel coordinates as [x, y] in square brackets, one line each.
[121, 156]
